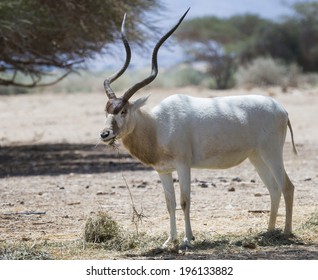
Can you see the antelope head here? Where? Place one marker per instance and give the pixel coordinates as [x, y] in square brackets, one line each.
[120, 112]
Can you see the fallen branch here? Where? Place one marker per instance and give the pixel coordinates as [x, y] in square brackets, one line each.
[258, 211]
[26, 213]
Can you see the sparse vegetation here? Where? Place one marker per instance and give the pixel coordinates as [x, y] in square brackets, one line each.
[23, 251]
[266, 71]
[311, 224]
[104, 238]
[262, 72]
[183, 75]
[122, 244]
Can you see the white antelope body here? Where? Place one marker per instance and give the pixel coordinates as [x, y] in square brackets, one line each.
[184, 132]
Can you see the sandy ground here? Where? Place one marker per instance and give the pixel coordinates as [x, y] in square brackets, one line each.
[52, 167]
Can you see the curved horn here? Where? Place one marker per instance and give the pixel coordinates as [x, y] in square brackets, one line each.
[154, 71]
[110, 93]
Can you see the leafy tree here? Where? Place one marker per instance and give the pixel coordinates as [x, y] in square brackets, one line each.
[38, 36]
[293, 39]
[219, 42]
[302, 28]
[224, 43]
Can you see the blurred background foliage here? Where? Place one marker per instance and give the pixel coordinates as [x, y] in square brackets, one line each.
[235, 45]
[41, 38]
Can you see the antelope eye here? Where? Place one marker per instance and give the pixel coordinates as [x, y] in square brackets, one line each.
[123, 112]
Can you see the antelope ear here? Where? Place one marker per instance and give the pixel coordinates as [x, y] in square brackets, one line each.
[139, 102]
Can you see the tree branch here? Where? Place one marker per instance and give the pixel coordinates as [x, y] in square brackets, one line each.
[35, 83]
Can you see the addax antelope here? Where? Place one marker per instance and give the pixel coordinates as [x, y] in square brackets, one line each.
[184, 132]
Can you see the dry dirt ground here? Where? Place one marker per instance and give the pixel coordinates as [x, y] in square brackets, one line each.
[54, 175]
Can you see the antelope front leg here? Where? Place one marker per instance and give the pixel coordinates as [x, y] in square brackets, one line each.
[184, 174]
[167, 183]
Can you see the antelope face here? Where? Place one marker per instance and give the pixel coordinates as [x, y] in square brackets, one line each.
[122, 123]
[115, 126]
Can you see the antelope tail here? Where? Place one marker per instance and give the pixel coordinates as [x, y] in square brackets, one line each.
[292, 137]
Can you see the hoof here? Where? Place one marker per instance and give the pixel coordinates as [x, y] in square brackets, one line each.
[186, 245]
[169, 241]
[289, 234]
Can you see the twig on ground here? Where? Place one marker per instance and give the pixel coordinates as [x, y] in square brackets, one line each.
[26, 213]
[137, 216]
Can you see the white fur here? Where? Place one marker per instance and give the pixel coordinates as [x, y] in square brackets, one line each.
[187, 132]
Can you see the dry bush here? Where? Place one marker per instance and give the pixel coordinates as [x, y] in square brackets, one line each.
[266, 71]
[100, 228]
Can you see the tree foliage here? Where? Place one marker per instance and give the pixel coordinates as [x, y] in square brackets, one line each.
[225, 43]
[219, 42]
[37, 36]
[294, 39]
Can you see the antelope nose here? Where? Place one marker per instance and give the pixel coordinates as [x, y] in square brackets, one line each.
[104, 134]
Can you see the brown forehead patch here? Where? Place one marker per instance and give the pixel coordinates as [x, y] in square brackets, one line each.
[115, 105]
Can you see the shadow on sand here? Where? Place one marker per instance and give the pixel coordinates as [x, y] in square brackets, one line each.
[57, 159]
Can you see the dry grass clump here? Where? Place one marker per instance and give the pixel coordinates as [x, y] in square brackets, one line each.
[312, 222]
[250, 240]
[100, 228]
[104, 232]
[22, 252]
[273, 238]
[309, 228]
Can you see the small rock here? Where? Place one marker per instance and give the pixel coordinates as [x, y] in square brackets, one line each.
[237, 179]
[252, 181]
[204, 185]
[101, 193]
[9, 204]
[25, 238]
[307, 179]
[257, 194]
[231, 189]
[73, 203]
[143, 185]
[249, 245]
